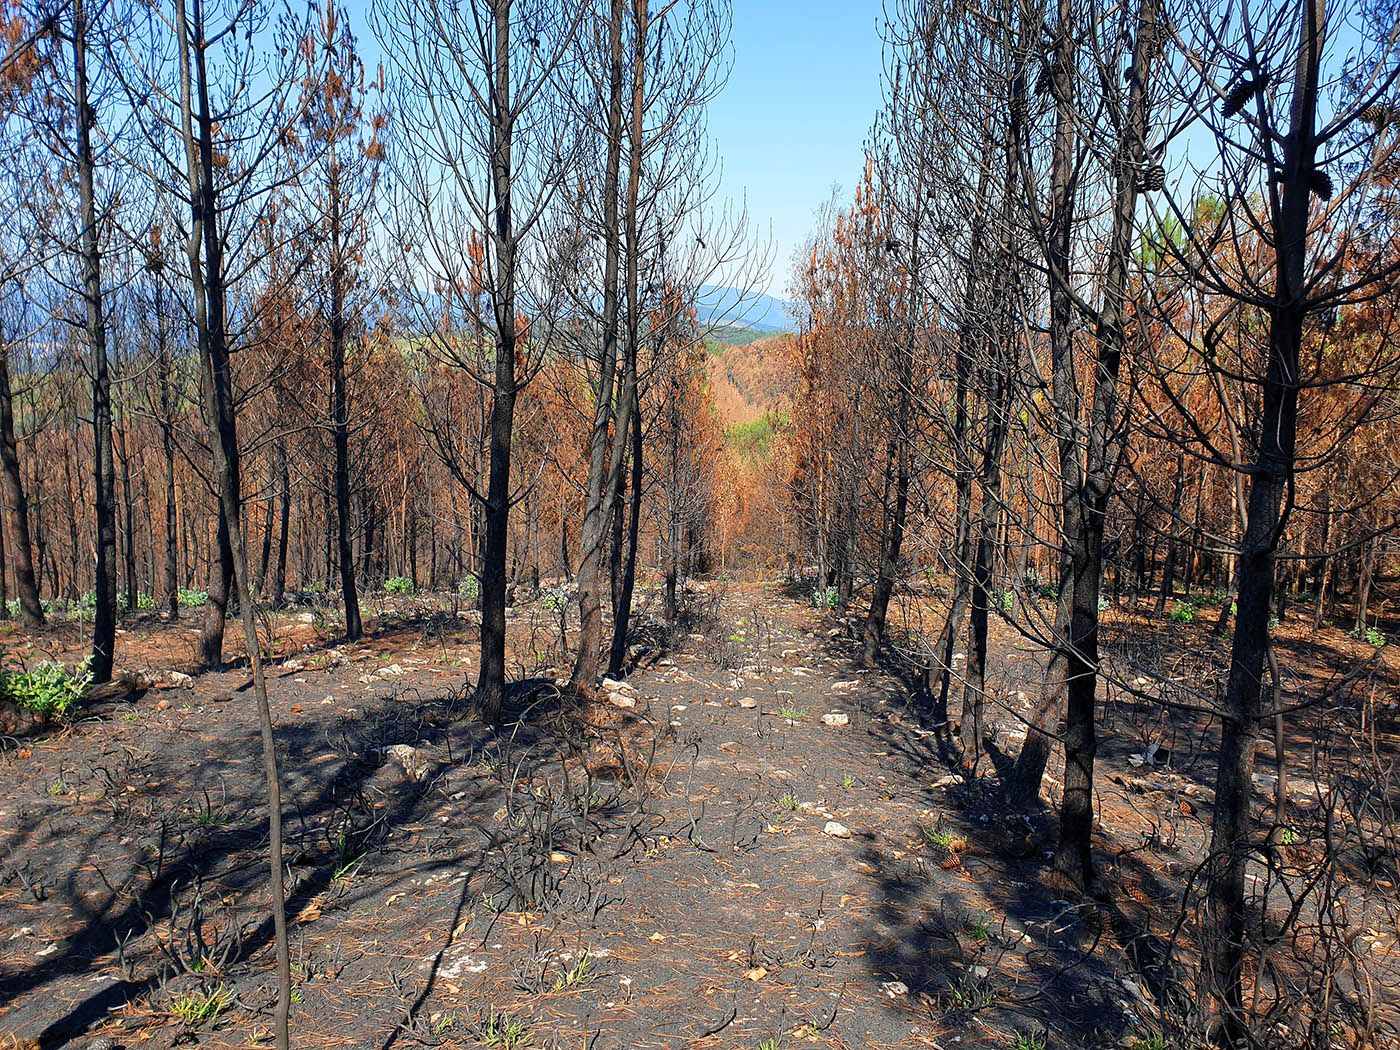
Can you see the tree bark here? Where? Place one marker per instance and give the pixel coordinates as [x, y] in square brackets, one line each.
[1086, 491]
[622, 617]
[104, 625]
[490, 685]
[1269, 478]
[604, 456]
[20, 548]
[340, 414]
[207, 275]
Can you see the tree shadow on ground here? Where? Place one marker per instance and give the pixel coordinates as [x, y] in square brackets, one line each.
[140, 877]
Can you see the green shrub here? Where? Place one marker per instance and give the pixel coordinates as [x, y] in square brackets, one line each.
[48, 690]
[470, 587]
[1372, 636]
[1005, 602]
[825, 598]
[196, 1008]
[191, 598]
[556, 599]
[1183, 612]
[400, 585]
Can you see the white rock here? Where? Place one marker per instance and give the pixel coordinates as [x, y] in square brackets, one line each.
[836, 830]
[622, 700]
[894, 989]
[836, 718]
[415, 766]
[181, 680]
[748, 702]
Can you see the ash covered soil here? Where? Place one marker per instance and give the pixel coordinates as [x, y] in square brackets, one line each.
[752, 844]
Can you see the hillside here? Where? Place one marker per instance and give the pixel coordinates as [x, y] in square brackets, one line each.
[750, 381]
[734, 308]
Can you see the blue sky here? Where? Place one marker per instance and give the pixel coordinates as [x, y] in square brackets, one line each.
[793, 118]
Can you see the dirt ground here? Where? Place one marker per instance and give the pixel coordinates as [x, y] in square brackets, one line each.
[702, 860]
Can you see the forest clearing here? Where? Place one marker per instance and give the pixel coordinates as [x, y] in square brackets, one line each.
[496, 550]
[663, 872]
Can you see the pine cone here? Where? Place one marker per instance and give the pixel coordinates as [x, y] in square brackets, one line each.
[102, 1042]
[1320, 183]
[1153, 179]
[1378, 115]
[1241, 93]
[1153, 37]
[1042, 80]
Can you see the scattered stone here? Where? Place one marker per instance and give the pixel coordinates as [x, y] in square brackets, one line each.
[748, 703]
[162, 705]
[836, 830]
[950, 780]
[415, 766]
[559, 857]
[180, 680]
[620, 699]
[836, 718]
[894, 989]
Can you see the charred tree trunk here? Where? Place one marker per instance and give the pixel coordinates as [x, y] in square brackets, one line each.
[16, 507]
[1269, 478]
[490, 685]
[873, 632]
[622, 617]
[207, 275]
[340, 415]
[1086, 489]
[104, 625]
[284, 492]
[604, 456]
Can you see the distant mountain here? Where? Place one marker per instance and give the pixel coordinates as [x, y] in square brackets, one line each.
[719, 305]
